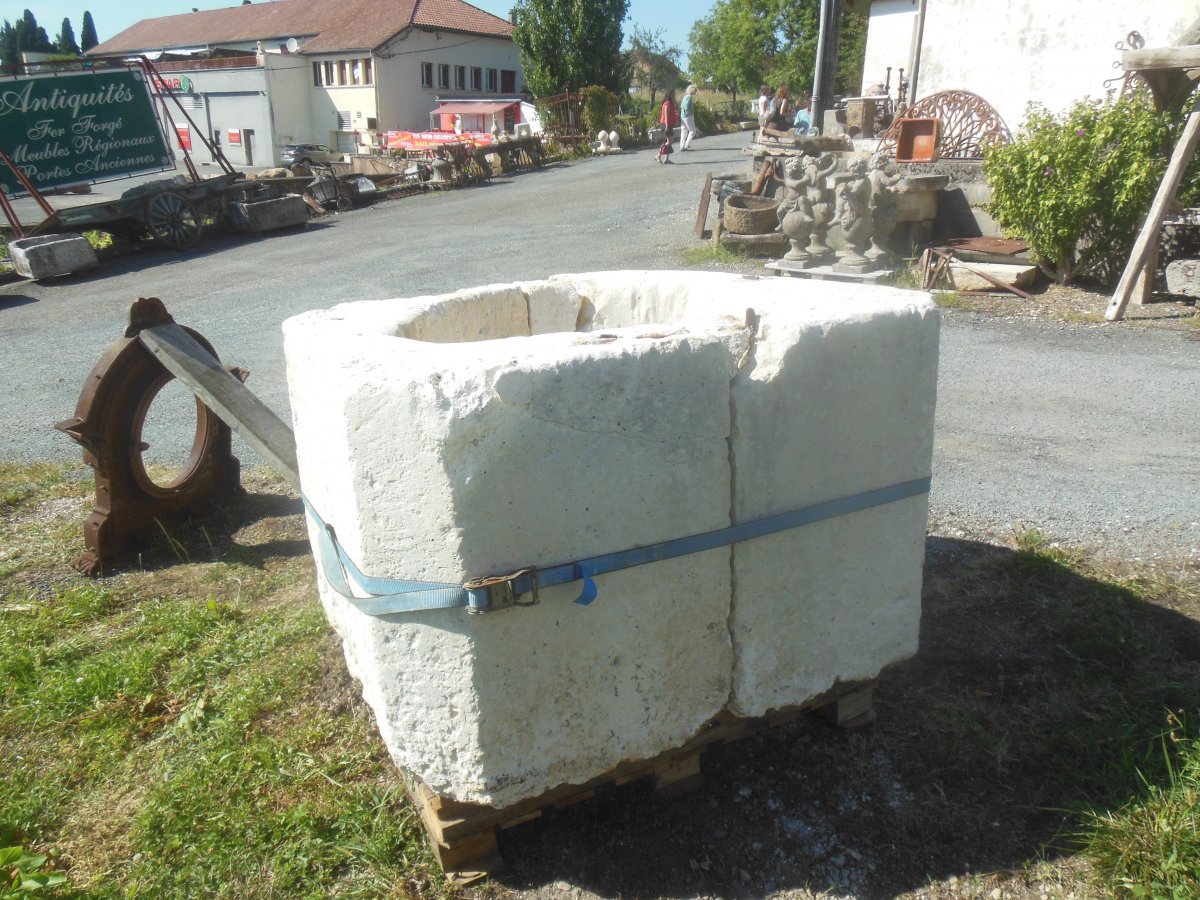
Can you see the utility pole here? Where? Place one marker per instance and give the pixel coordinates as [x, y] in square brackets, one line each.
[918, 40]
[825, 65]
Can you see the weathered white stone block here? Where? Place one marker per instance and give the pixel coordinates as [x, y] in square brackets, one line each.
[1183, 277]
[268, 215]
[51, 255]
[532, 424]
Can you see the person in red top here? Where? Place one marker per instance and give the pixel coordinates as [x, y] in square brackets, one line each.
[668, 117]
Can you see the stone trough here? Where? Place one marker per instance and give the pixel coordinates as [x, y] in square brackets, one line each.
[532, 424]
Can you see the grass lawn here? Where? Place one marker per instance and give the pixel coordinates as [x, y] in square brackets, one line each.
[185, 727]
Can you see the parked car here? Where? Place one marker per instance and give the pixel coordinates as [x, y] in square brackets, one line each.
[309, 153]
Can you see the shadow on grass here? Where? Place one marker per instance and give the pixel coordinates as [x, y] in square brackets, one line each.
[1038, 693]
[249, 528]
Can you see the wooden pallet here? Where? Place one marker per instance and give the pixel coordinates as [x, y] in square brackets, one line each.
[463, 835]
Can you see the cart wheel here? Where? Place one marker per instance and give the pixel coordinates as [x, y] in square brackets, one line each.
[173, 220]
[343, 203]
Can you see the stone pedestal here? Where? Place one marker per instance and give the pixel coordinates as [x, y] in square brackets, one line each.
[538, 423]
[51, 255]
[795, 265]
[855, 265]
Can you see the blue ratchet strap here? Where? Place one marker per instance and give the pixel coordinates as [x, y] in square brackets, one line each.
[501, 591]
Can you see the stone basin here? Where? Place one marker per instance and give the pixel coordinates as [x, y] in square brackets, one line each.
[538, 423]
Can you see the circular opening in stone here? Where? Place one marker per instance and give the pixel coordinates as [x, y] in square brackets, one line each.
[168, 434]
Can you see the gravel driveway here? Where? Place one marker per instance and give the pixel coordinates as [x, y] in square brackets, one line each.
[1087, 433]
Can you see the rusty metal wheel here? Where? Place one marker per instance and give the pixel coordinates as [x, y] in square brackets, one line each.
[173, 220]
[108, 423]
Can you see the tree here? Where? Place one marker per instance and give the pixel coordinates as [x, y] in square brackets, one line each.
[567, 44]
[743, 43]
[733, 47]
[25, 35]
[33, 36]
[66, 42]
[87, 37]
[795, 64]
[10, 54]
[655, 65]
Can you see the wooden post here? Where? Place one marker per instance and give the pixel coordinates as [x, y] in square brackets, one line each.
[1145, 283]
[1149, 237]
[705, 199]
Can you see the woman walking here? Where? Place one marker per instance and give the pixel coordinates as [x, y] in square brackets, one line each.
[668, 117]
[687, 112]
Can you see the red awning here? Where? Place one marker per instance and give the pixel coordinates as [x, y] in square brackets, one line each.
[469, 108]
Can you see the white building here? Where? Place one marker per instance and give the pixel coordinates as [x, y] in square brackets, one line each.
[335, 73]
[1015, 53]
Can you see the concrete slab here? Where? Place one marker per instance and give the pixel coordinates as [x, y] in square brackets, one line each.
[828, 273]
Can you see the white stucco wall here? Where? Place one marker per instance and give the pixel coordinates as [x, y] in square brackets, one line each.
[288, 87]
[1027, 50]
[325, 101]
[889, 41]
[404, 104]
[270, 100]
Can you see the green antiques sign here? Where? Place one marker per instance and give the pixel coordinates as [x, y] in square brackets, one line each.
[79, 127]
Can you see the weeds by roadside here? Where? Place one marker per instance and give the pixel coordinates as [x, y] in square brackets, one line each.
[1151, 846]
[713, 255]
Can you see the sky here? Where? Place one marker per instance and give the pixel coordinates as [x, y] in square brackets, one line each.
[113, 17]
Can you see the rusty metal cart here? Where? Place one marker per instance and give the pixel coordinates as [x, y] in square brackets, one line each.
[173, 212]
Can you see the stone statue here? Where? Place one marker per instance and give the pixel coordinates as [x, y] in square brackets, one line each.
[853, 212]
[883, 178]
[820, 200]
[795, 213]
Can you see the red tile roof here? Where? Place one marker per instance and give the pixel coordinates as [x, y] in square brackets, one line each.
[327, 26]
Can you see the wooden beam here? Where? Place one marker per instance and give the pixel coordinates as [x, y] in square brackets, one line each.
[1143, 248]
[221, 391]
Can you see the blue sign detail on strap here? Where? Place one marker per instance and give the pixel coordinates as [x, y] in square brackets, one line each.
[589, 587]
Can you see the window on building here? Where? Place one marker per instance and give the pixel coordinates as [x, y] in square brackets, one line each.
[508, 81]
[460, 78]
[330, 77]
[318, 72]
[368, 71]
[344, 120]
[492, 84]
[343, 72]
[476, 78]
[356, 71]
[443, 75]
[426, 74]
